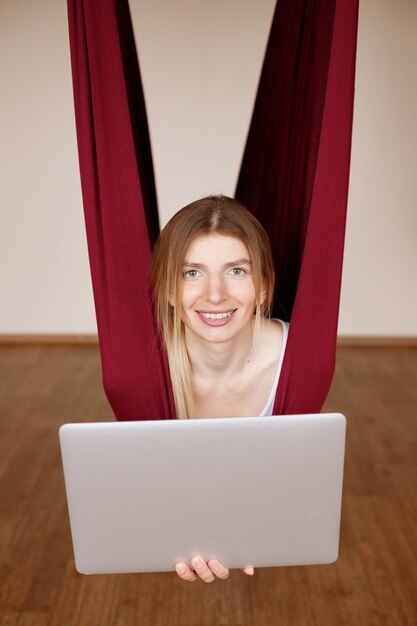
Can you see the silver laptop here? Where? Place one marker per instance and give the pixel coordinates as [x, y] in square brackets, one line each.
[249, 491]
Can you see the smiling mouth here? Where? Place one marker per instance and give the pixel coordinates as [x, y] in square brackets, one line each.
[216, 315]
[216, 318]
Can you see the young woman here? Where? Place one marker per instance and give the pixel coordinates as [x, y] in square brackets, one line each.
[212, 283]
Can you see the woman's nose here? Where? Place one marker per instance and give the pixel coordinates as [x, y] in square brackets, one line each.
[216, 290]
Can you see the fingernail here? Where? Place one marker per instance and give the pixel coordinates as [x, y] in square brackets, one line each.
[180, 568]
[196, 561]
[251, 571]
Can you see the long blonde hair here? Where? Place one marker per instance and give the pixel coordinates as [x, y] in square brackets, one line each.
[214, 214]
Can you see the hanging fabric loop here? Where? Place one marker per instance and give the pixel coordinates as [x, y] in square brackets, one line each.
[119, 206]
[294, 177]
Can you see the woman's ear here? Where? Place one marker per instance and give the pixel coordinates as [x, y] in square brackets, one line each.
[264, 290]
[171, 299]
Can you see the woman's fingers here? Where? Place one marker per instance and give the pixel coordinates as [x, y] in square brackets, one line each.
[207, 572]
[185, 572]
[202, 569]
[218, 569]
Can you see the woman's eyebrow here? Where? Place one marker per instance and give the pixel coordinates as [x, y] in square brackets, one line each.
[230, 264]
[238, 262]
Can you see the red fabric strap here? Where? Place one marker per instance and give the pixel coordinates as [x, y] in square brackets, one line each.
[135, 373]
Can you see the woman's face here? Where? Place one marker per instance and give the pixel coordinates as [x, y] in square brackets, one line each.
[218, 292]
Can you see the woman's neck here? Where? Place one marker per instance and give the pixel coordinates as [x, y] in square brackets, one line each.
[215, 361]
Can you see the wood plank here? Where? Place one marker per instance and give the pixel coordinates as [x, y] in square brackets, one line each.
[27, 339]
[372, 583]
[92, 340]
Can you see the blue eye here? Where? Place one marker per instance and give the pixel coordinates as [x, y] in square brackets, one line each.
[240, 270]
[187, 273]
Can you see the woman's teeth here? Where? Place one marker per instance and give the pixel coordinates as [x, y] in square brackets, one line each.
[216, 316]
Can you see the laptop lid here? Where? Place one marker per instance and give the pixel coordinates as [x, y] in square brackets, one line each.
[249, 491]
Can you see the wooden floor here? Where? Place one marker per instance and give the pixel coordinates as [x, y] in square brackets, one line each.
[372, 583]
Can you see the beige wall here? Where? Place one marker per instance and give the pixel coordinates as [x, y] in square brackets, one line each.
[379, 290]
[200, 62]
[44, 281]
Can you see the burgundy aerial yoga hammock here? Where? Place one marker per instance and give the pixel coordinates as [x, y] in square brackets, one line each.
[294, 178]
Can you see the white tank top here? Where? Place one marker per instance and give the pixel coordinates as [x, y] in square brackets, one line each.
[268, 410]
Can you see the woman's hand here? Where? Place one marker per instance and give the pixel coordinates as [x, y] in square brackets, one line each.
[206, 571]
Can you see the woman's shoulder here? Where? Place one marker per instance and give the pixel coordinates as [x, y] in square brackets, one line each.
[273, 337]
[274, 327]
